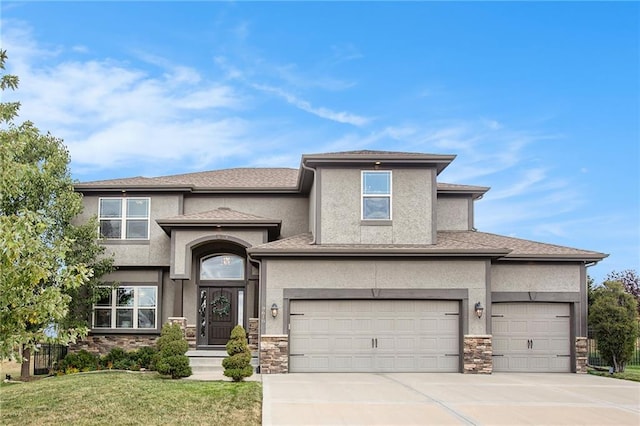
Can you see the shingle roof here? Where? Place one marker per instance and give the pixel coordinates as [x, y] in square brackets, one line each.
[221, 217]
[449, 243]
[221, 214]
[239, 178]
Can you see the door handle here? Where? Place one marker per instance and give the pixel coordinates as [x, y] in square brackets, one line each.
[531, 343]
[376, 342]
[528, 344]
[372, 343]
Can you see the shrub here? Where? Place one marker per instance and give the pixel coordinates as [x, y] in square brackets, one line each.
[79, 361]
[613, 318]
[119, 359]
[145, 356]
[238, 364]
[171, 359]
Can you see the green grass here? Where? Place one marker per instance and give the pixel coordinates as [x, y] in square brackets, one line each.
[631, 372]
[129, 399]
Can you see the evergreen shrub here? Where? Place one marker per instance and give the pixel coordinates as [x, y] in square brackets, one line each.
[238, 364]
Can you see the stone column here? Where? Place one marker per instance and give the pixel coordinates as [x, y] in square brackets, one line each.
[582, 355]
[478, 353]
[254, 323]
[274, 354]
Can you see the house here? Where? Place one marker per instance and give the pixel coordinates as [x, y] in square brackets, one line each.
[355, 261]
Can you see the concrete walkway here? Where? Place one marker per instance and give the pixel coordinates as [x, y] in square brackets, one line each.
[448, 399]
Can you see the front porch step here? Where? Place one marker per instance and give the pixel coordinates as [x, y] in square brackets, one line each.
[202, 361]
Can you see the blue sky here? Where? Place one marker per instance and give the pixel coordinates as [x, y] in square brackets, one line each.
[539, 101]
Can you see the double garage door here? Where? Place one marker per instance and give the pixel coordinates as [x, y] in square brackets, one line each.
[374, 336]
[531, 337]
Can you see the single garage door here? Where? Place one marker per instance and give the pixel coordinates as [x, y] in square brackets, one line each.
[374, 336]
[531, 337]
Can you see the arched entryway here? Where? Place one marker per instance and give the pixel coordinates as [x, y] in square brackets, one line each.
[225, 291]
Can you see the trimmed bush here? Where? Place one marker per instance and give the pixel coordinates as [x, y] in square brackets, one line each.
[145, 356]
[238, 364]
[171, 359]
[79, 361]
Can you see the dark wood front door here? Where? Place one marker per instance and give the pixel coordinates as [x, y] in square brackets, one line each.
[218, 314]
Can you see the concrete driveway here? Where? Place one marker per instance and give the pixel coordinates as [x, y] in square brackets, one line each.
[449, 399]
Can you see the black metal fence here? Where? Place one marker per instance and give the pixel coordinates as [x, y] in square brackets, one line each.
[46, 358]
[595, 358]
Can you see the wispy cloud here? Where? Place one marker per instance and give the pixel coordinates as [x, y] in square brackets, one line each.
[326, 113]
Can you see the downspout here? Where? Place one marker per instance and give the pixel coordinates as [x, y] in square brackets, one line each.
[261, 307]
[315, 210]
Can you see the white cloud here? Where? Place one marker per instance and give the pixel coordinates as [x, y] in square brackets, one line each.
[322, 112]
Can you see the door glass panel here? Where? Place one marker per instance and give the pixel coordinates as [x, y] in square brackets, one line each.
[203, 313]
[241, 307]
[222, 267]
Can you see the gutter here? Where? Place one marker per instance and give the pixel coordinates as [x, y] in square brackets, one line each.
[315, 210]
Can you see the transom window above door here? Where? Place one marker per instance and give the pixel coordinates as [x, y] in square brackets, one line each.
[222, 267]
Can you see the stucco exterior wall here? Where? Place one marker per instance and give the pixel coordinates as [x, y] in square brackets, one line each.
[375, 274]
[184, 240]
[535, 277]
[453, 213]
[154, 251]
[412, 209]
[293, 210]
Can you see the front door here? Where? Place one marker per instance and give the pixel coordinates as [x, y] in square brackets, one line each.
[218, 314]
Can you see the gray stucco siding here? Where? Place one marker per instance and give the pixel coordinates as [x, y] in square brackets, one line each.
[412, 210]
[185, 240]
[339, 206]
[536, 277]
[453, 213]
[409, 275]
[155, 250]
[293, 210]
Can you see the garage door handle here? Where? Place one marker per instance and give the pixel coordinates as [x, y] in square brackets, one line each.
[528, 344]
[376, 343]
[531, 343]
[372, 343]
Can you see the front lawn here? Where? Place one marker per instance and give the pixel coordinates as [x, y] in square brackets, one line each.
[631, 372]
[130, 398]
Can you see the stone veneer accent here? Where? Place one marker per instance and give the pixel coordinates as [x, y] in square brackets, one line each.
[582, 356]
[478, 353]
[103, 344]
[274, 354]
[252, 332]
[189, 331]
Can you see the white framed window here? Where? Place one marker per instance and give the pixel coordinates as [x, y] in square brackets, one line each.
[376, 195]
[127, 307]
[124, 218]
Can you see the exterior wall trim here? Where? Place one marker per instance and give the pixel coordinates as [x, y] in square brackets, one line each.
[535, 296]
[193, 244]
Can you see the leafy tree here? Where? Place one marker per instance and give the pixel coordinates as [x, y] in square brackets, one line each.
[238, 364]
[613, 318]
[44, 258]
[630, 280]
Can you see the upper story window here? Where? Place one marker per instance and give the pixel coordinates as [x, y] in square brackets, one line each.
[222, 267]
[376, 195]
[124, 218]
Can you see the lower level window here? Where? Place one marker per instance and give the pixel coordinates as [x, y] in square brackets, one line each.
[125, 307]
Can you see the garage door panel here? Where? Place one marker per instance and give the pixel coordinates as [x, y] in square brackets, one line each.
[411, 336]
[531, 337]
